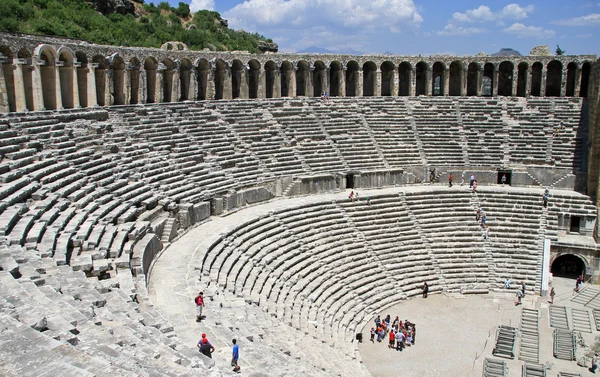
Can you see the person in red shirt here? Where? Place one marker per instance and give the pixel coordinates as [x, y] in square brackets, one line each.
[199, 300]
[392, 339]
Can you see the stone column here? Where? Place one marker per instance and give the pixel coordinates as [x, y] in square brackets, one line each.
[210, 83]
[76, 104]
[92, 95]
[175, 85]
[413, 82]
[528, 81]
[446, 78]
[193, 90]
[325, 84]
[577, 86]
[377, 83]
[20, 99]
[292, 84]
[563, 83]
[227, 84]
[395, 82]
[543, 82]
[159, 93]
[36, 84]
[277, 83]
[261, 91]
[495, 76]
[309, 90]
[359, 83]
[244, 86]
[464, 81]
[342, 81]
[4, 105]
[515, 82]
[429, 83]
[108, 87]
[143, 86]
[57, 85]
[480, 82]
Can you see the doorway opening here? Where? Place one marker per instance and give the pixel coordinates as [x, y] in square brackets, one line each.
[504, 176]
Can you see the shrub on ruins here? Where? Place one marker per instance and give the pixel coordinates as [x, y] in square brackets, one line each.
[148, 25]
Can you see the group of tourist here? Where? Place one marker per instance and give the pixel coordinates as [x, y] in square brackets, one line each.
[353, 196]
[481, 217]
[399, 334]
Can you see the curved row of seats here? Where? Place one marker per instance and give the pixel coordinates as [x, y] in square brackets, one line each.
[325, 267]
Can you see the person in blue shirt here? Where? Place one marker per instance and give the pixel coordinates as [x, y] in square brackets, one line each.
[235, 356]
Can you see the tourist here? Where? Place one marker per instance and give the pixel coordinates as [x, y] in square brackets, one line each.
[523, 287]
[578, 283]
[409, 338]
[425, 289]
[507, 283]
[545, 198]
[395, 323]
[552, 294]
[205, 347]
[594, 363]
[503, 179]
[414, 334]
[199, 300]
[392, 339]
[379, 333]
[483, 219]
[372, 335]
[478, 214]
[486, 232]
[462, 178]
[351, 196]
[519, 296]
[356, 196]
[471, 180]
[378, 321]
[368, 200]
[474, 185]
[450, 180]
[388, 319]
[399, 340]
[235, 356]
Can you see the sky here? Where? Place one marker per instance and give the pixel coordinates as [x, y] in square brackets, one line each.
[416, 27]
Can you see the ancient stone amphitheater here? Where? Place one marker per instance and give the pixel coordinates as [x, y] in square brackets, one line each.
[231, 167]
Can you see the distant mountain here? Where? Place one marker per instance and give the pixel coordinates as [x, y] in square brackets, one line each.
[507, 52]
[321, 50]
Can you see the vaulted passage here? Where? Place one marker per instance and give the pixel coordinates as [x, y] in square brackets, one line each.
[287, 79]
[48, 73]
[302, 78]
[437, 78]
[253, 78]
[237, 77]
[421, 79]
[27, 72]
[118, 80]
[220, 74]
[488, 80]
[150, 66]
[404, 79]
[472, 79]
[351, 78]
[134, 81]
[387, 78]
[456, 78]
[536, 79]
[568, 265]
[167, 80]
[204, 76]
[335, 79]
[319, 79]
[585, 78]
[571, 75]
[522, 80]
[369, 77]
[553, 79]
[270, 79]
[8, 71]
[185, 79]
[505, 79]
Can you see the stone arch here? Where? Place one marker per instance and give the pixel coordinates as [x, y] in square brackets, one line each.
[66, 75]
[134, 80]
[302, 78]
[287, 77]
[553, 78]
[167, 79]
[27, 71]
[203, 69]
[150, 66]
[352, 76]
[237, 78]
[270, 79]
[335, 78]
[536, 79]
[571, 74]
[437, 79]
[473, 79]
[253, 78]
[319, 79]
[585, 79]
[387, 78]
[568, 265]
[488, 80]
[522, 79]
[505, 78]
[369, 77]
[47, 55]
[421, 79]
[456, 78]
[404, 78]
[8, 70]
[82, 78]
[220, 72]
[185, 79]
[117, 66]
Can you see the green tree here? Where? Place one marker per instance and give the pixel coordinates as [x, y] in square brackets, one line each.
[559, 51]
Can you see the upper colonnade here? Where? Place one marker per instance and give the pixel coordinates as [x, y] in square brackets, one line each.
[47, 73]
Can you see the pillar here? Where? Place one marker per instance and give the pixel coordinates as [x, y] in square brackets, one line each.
[244, 85]
[429, 83]
[36, 83]
[359, 84]
[464, 81]
[396, 83]
[480, 82]
[159, 93]
[92, 96]
[309, 90]
[577, 82]
[413, 82]
[325, 81]
[277, 82]
[446, 78]
[76, 104]
[4, 106]
[528, 82]
[261, 91]
[377, 83]
[515, 82]
[342, 81]
[563, 82]
[543, 83]
[127, 89]
[142, 86]
[495, 76]
[108, 87]
[227, 87]
[20, 99]
[175, 85]
[57, 85]
[193, 90]
[210, 83]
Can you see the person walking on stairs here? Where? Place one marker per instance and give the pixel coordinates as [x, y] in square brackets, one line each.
[235, 356]
[199, 300]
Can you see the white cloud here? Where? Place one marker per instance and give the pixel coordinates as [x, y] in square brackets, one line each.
[453, 30]
[589, 20]
[523, 31]
[485, 14]
[583, 36]
[331, 24]
[197, 5]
